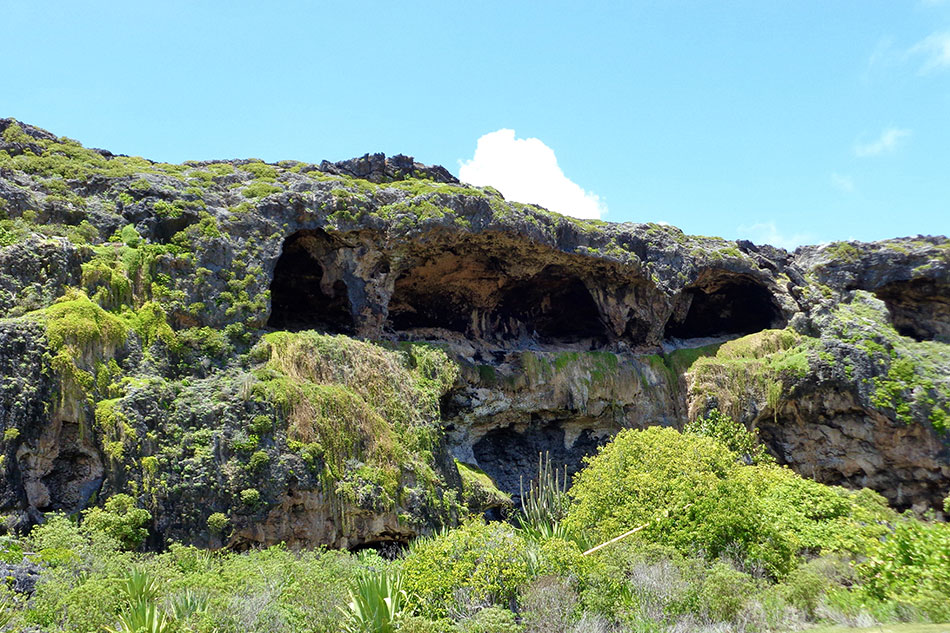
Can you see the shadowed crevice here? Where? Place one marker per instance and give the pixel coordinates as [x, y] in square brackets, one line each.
[303, 295]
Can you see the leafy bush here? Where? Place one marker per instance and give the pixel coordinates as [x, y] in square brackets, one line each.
[120, 519]
[688, 491]
[486, 561]
[491, 620]
[731, 434]
[816, 518]
[725, 591]
[218, 522]
[250, 497]
[911, 566]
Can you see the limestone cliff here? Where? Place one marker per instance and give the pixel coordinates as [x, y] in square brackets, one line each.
[304, 347]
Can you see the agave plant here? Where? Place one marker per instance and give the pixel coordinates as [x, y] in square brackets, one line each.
[187, 603]
[139, 587]
[143, 617]
[377, 603]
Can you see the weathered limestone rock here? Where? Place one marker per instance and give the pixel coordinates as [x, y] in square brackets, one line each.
[564, 330]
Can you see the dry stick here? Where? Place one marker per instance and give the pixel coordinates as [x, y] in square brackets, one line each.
[626, 534]
[614, 539]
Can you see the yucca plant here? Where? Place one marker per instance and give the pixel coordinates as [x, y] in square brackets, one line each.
[142, 614]
[377, 603]
[139, 587]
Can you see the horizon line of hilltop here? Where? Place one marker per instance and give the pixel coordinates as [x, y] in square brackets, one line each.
[378, 168]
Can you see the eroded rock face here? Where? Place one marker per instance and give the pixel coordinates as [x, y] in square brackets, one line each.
[828, 436]
[309, 519]
[35, 272]
[565, 331]
[919, 308]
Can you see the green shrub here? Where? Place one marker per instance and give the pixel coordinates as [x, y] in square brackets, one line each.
[911, 566]
[483, 561]
[258, 460]
[805, 587]
[218, 522]
[815, 518]
[259, 189]
[731, 434]
[725, 591]
[250, 497]
[688, 491]
[416, 624]
[491, 620]
[119, 519]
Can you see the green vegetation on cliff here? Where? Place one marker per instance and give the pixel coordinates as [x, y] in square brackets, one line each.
[363, 415]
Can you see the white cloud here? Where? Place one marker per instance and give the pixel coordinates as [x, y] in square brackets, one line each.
[526, 170]
[842, 183]
[935, 50]
[768, 233]
[886, 142]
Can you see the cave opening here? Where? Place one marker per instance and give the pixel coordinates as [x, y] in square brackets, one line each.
[510, 457]
[734, 306]
[445, 291]
[552, 307]
[303, 295]
[918, 308]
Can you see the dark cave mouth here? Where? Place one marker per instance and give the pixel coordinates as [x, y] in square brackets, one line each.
[733, 308]
[553, 307]
[919, 309]
[301, 297]
[471, 296]
[510, 457]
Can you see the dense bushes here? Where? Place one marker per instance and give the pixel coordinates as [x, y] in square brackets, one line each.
[688, 491]
[474, 563]
[727, 547]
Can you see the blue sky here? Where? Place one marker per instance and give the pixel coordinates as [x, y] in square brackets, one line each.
[789, 122]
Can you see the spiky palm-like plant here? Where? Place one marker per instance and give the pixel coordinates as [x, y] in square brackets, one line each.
[377, 603]
[143, 617]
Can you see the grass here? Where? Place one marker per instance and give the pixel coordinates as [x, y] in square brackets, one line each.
[886, 628]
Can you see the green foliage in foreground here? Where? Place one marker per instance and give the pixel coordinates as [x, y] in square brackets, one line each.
[689, 492]
[732, 434]
[695, 495]
[799, 553]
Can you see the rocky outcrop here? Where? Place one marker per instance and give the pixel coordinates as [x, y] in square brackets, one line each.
[157, 372]
[36, 271]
